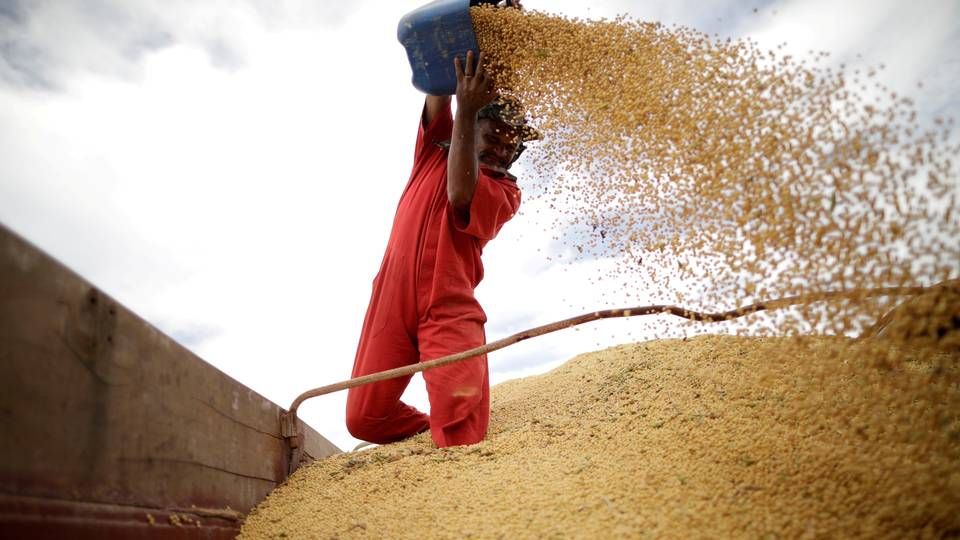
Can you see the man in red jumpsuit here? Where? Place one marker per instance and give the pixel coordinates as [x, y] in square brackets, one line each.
[423, 307]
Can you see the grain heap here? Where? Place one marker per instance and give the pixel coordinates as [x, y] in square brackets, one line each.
[726, 172]
[725, 436]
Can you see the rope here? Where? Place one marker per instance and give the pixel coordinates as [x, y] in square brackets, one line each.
[858, 294]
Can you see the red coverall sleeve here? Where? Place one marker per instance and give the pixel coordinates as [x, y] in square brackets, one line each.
[440, 129]
[494, 202]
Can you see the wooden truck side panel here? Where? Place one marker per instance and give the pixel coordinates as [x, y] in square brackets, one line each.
[102, 411]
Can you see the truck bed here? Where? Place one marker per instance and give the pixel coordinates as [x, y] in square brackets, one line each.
[109, 428]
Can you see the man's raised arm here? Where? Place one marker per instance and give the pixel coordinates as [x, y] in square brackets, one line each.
[474, 90]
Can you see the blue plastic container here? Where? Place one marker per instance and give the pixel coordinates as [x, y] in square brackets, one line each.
[433, 35]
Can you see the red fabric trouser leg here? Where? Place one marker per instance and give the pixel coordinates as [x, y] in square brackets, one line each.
[374, 411]
[460, 392]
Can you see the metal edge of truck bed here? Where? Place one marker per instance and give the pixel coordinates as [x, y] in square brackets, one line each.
[109, 428]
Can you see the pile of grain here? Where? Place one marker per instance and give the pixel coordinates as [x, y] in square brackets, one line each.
[724, 436]
[718, 174]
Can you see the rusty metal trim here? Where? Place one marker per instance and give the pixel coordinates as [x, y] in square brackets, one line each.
[39, 518]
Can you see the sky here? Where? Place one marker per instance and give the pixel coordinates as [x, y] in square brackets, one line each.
[229, 170]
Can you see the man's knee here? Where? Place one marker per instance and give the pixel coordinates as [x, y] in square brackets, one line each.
[362, 422]
[373, 422]
[361, 427]
[385, 430]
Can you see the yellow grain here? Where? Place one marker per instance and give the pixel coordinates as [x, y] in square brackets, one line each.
[736, 172]
[724, 436]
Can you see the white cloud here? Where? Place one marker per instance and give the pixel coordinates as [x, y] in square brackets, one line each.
[48, 43]
[916, 41]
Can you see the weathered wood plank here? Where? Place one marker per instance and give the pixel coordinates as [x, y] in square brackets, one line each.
[97, 405]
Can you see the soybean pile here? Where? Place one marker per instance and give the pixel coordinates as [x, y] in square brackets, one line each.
[716, 174]
[725, 436]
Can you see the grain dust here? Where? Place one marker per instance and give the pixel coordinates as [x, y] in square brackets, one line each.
[717, 174]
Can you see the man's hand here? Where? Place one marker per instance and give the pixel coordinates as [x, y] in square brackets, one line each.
[474, 84]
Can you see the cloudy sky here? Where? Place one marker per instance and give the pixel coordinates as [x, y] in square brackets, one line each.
[229, 170]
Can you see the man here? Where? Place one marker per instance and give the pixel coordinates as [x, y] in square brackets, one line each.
[423, 307]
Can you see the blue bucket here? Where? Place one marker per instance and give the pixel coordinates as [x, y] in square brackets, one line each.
[433, 35]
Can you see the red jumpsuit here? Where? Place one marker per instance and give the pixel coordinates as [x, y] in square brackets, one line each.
[423, 306]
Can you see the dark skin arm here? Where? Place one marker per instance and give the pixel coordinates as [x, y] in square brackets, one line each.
[474, 90]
